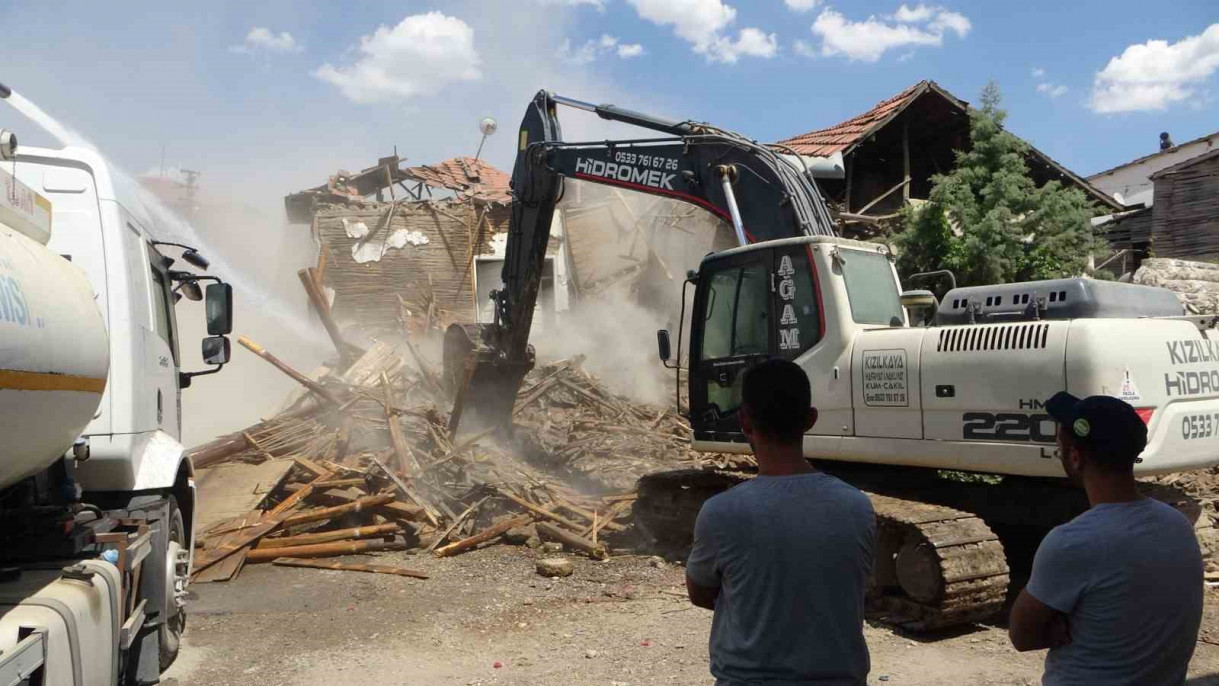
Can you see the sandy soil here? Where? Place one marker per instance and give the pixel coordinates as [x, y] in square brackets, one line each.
[617, 623]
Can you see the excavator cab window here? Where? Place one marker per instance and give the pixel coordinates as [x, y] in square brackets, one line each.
[874, 295]
[735, 321]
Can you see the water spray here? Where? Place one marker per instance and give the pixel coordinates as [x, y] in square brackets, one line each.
[169, 224]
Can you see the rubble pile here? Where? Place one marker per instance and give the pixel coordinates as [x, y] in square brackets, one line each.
[375, 467]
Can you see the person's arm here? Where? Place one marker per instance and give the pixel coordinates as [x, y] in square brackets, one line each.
[701, 596]
[702, 567]
[1033, 625]
[1061, 572]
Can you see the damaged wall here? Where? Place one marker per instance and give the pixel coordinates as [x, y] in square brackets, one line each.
[433, 270]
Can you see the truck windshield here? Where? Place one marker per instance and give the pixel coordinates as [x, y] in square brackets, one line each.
[871, 288]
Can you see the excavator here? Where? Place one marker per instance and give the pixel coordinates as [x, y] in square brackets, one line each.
[933, 407]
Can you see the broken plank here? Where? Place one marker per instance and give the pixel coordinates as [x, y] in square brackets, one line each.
[596, 551]
[228, 491]
[347, 567]
[287, 369]
[396, 510]
[461, 518]
[483, 536]
[329, 536]
[323, 550]
[360, 505]
[428, 510]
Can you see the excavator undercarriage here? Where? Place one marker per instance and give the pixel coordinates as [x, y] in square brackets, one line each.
[939, 562]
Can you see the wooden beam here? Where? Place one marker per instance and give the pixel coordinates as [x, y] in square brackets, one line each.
[905, 161]
[318, 300]
[346, 567]
[331, 536]
[884, 195]
[287, 369]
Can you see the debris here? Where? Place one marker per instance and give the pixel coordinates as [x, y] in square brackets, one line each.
[486, 535]
[322, 550]
[328, 536]
[555, 566]
[519, 535]
[345, 567]
[574, 541]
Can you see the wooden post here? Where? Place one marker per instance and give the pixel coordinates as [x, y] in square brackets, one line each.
[850, 174]
[318, 300]
[322, 550]
[330, 536]
[594, 550]
[906, 161]
[483, 536]
[360, 505]
[345, 567]
[428, 510]
[287, 369]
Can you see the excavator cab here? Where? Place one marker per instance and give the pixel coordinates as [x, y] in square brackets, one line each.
[751, 303]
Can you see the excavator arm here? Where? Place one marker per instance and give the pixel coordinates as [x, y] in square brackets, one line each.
[765, 193]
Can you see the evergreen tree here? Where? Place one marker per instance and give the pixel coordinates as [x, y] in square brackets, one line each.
[988, 222]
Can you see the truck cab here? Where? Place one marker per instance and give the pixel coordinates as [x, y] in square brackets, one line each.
[963, 387]
[106, 225]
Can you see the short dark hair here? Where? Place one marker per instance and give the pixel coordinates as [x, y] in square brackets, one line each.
[777, 396]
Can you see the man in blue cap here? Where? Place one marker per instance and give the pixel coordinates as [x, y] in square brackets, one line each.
[1116, 593]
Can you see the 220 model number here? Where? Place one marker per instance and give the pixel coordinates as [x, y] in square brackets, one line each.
[1199, 426]
[1009, 426]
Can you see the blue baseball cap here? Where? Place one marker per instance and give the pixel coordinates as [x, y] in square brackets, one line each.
[1110, 427]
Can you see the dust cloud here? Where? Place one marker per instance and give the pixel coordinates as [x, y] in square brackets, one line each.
[625, 256]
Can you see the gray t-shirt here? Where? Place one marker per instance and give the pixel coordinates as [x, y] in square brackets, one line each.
[791, 556]
[1129, 577]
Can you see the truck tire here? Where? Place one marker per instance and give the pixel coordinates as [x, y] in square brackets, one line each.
[171, 629]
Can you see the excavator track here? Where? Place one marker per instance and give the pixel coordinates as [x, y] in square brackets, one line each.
[937, 567]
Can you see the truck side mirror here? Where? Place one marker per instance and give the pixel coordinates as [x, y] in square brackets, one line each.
[219, 308]
[666, 348]
[216, 350]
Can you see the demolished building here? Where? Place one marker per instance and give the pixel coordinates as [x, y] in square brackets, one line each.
[425, 245]
[892, 151]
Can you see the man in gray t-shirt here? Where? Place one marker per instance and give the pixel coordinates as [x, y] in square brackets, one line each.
[1116, 593]
[783, 559]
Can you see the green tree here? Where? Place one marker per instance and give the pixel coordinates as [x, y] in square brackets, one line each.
[988, 221]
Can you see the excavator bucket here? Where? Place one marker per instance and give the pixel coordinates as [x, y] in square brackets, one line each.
[484, 382]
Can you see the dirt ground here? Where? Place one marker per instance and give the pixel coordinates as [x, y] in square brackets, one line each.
[621, 622]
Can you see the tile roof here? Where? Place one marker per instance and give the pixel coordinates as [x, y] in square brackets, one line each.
[466, 176]
[840, 137]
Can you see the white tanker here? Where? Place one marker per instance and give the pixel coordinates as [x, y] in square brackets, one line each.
[96, 493]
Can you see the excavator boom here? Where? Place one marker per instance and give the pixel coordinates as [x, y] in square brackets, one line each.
[696, 163]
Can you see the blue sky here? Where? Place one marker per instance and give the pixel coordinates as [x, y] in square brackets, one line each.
[266, 98]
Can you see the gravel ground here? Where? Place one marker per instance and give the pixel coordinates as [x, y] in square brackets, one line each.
[617, 623]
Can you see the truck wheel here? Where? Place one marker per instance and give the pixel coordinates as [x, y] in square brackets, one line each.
[176, 562]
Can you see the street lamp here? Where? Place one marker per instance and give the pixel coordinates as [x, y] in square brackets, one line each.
[488, 126]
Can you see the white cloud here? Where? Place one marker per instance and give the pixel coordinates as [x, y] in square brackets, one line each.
[804, 48]
[1051, 89]
[628, 50]
[1038, 72]
[606, 44]
[420, 56]
[801, 5]
[704, 24]
[870, 39]
[598, 5]
[263, 39]
[918, 15]
[1156, 74]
